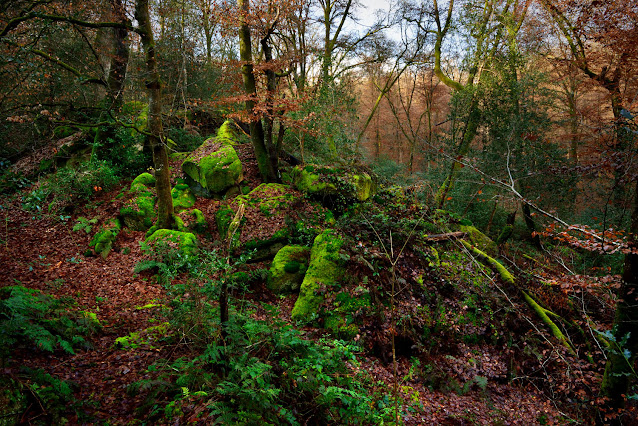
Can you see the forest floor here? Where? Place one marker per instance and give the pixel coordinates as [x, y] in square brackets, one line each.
[44, 253]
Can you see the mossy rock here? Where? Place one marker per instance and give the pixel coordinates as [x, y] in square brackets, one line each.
[185, 242]
[227, 133]
[191, 221]
[62, 132]
[325, 271]
[364, 186]
[147, 338]
[306, 180]
[138, 212]
[288, 269]
[183, 197]
[479, 239]
[333, 186]
[102, 241]
[270, 198]
[341, 319]
[143, 182]
[213, 168]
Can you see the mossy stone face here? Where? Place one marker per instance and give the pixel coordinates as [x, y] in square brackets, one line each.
[288, 269]
[309, 182]
[363, 186]
[138, 212]
[103, 240]
[326, 270]
[185, 242]
[183, 197]
[227, 133]
[191, 221]
[213, 168]
[143, 182]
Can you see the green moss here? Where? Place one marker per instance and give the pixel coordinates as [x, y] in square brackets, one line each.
[103, 240]
[183, 197]
[341, 318]
[185, 242]
[479, 239]
[288, 269]
[223, 217]
[191, 221]
[270, 198]
[62, 132]
[325, 271]
[215, 172]
[143, 182]
[139, 212]
[306, 181]
[227, 133]
[363, 186]
[146, 337]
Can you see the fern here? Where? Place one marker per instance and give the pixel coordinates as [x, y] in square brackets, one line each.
[84, 224]
[28, 315]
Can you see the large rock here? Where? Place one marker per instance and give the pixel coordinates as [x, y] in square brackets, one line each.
[332, 183]
[214, 167]
[184, 242]
[138, 212]
[326, 271]
[288, 269]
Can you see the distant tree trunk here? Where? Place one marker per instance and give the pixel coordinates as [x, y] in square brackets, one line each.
[619, 371]
[158, 147]
[119, 61]
[266, 168]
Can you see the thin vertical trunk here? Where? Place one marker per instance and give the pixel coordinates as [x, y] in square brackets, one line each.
[266, 168]
[154, 88]
[119, 61]
[619, 371]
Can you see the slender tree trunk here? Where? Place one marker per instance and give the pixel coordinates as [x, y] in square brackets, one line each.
[619, 371]
[158, 147]
[266, 168]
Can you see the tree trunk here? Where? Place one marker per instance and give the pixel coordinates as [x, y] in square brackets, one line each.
[154, 87]
[266, 168]
[619, 371]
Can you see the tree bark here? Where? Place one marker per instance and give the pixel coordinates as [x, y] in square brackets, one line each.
[619, 371]
[266, 168]
[154, 87]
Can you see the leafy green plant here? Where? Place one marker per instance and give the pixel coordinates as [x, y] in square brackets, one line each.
[61, 190]
[30, 316]
[84, 224]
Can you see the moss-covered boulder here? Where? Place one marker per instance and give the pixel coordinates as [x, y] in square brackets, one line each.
[184, 242]
[270, 212]
[346, 309]
[102, 241]
[191, 221]
[333, 185]
[138, 212]
[214, 167]
[183, 197]
[326, 271]
[288, 269]
[307, 180]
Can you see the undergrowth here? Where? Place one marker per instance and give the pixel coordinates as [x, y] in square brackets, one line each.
[28, 316]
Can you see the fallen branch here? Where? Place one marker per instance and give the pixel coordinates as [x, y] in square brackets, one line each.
[543, 314]
[446, 237]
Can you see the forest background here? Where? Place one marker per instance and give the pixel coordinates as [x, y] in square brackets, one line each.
[518, 115]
